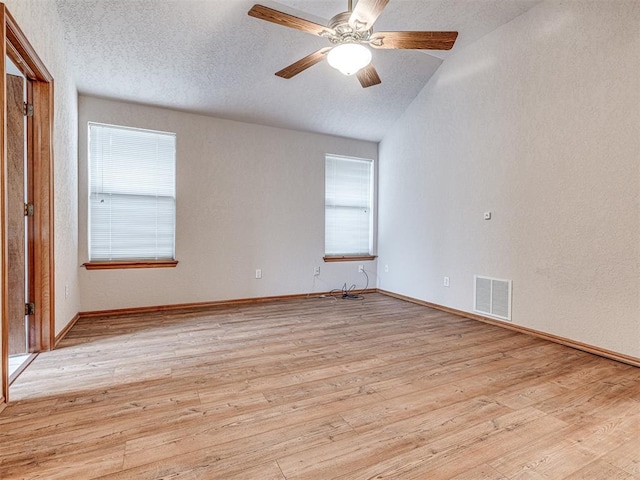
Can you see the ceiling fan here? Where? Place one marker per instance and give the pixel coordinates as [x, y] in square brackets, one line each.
[350, 33]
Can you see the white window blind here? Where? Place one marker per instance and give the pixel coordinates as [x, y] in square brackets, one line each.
[132, 194]
[348, 206]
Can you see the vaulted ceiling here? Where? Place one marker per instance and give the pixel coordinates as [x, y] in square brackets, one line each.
[210, 57]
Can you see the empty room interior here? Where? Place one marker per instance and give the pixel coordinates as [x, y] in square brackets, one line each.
[333, 239]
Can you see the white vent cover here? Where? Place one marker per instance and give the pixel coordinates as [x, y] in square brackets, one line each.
[492, 296]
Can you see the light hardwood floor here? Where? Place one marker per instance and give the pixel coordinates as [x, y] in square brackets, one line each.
[318, 389]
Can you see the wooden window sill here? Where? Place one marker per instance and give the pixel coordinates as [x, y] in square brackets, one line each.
[130, 264]
[349, 258]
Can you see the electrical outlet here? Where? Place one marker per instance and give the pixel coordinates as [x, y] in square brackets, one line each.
[386, 269]
[66, 291]
[446, 281]
[316, 271]
[360, 268]
[258, 273]
[487, 215]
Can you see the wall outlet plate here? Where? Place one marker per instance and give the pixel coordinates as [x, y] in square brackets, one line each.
[360, 268]
[316, 271]
[445, 282]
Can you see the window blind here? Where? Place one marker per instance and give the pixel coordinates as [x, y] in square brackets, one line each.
[348, 206]
[132, 194]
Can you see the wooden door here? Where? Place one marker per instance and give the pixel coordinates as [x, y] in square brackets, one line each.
[16, 244]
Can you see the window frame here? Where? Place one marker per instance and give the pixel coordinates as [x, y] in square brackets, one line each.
[346, 257]
[133, 262]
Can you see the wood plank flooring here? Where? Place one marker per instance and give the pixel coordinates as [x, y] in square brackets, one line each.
[318, 389]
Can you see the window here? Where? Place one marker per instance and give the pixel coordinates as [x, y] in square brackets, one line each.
[132, 201]
[348, 207]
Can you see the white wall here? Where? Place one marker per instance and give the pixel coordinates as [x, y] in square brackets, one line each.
[539, 123]
[42, 26]
[248, 197]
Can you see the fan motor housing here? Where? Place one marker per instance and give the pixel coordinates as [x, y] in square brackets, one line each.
[345, 32]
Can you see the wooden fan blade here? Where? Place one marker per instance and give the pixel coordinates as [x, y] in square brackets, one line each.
[368, 76]
[366, 13]
[414, 40]
[304, 63]
[281, 18]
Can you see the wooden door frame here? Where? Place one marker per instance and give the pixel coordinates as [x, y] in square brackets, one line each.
[15, 45]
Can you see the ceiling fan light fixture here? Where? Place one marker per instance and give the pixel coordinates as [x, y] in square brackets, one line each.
[348, 58]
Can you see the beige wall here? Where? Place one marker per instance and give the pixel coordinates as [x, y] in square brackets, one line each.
[539, 123]
[248, 197]
[40, 22]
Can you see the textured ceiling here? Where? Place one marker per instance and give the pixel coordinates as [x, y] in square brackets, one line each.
[210, 57]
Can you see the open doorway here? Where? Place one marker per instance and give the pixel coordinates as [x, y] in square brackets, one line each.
[26, 204]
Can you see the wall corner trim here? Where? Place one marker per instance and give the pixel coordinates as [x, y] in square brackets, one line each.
[65, 330]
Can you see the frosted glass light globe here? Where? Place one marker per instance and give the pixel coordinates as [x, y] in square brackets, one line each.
[349, 57]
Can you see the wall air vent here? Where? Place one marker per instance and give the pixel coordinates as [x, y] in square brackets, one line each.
[492, 296]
